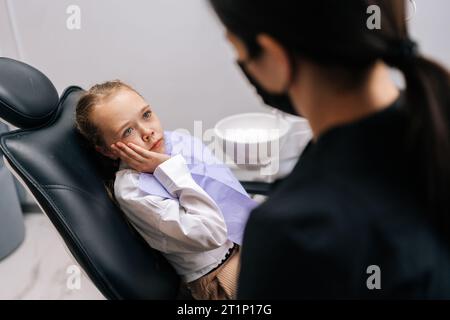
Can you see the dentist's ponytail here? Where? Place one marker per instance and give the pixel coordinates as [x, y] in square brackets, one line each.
[428, 107]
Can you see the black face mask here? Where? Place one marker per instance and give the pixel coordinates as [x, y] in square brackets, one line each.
[278, 101]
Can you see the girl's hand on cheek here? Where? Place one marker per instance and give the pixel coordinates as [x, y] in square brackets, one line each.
[138, 158]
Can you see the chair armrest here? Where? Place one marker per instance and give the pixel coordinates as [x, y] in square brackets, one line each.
[252, 187]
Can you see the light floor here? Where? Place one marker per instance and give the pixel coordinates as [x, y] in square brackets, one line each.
[38, 268]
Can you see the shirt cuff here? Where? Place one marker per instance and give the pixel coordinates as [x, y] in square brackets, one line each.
[173, 173]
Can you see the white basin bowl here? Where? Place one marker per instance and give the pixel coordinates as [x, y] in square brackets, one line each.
[252, 138]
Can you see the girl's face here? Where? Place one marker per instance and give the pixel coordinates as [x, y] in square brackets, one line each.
[126, 117]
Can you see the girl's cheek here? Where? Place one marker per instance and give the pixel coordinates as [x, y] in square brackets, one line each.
[129, 139]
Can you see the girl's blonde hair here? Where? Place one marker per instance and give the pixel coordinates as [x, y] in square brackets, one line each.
[94, 96]
[92, 134]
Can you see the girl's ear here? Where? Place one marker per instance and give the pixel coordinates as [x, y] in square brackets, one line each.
[106, 152]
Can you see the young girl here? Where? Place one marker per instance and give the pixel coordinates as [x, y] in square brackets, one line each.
[176, 201]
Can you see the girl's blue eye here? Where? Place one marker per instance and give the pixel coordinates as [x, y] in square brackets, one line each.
[128, 131]
[147, 114]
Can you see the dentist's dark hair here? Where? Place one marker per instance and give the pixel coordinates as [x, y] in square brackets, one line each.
[335, 34]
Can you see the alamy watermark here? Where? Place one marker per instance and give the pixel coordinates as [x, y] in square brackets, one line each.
[374, 280]
[73, 281]
[73, 21]
[258, 148]
[374, 22]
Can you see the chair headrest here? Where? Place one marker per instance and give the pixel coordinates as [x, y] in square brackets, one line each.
[28, 99]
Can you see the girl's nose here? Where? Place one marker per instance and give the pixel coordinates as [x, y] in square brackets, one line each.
[148, 135]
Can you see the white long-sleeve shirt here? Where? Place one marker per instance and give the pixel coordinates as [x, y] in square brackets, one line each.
[190, 231]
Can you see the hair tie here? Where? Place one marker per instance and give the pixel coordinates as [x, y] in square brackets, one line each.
[402, 52]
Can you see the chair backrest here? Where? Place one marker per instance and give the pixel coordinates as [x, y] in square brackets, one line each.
[49, 157]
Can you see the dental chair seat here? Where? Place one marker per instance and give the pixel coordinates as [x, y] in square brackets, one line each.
[49, 157]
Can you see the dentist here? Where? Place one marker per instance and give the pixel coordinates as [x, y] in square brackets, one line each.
[366, 211]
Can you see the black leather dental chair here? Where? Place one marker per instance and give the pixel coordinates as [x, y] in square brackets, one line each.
[48, 157]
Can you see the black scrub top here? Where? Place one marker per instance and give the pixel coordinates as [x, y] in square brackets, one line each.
[355, 199]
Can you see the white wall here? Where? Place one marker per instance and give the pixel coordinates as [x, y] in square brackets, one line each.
[173, 51]
[431, 28]
[7, 43]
